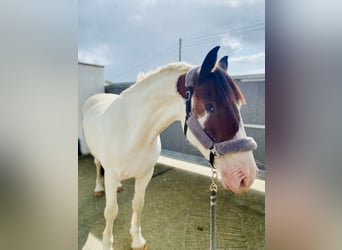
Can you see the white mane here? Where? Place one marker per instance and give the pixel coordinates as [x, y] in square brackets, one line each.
[171, 66]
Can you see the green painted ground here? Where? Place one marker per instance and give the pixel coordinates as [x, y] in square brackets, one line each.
[176, 213]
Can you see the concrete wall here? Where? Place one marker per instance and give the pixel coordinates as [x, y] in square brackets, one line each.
[253, 113]
[90, 82]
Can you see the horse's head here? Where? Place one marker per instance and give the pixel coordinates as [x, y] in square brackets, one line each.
[215, 122]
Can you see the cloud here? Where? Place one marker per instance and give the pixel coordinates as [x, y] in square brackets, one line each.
[249, 59]
[233, 3]
[148, 2]
[238, 3]
[137, 17]
[229, 3]
[229, 43]
[96, 55]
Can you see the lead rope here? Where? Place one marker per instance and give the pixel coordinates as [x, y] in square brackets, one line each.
[213, 192]
[213, 154]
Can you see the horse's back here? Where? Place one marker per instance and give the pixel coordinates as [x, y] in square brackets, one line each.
[104, 99]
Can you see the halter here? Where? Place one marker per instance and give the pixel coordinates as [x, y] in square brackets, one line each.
[216, 149]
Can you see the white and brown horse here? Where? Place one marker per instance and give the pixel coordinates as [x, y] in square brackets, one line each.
[122, 131]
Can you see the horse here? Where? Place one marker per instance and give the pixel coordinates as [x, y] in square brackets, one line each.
[122, 131]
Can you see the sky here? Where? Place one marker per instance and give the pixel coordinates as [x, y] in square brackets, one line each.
[128, 37]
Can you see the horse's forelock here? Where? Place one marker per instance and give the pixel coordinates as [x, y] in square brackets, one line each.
[227, 89]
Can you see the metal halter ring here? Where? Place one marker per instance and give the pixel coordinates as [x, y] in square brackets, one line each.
[214, 152]
[188, 95]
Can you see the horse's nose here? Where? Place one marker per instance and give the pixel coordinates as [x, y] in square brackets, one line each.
[243, 184]
[238, 176]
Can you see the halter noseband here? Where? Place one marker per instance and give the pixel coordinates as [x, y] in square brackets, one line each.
[216, 149]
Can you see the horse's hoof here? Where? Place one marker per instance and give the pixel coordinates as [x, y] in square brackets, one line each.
[99, 193]
[120, 189]
[141, 248]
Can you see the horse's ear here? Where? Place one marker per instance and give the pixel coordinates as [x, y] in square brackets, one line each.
[181, 89]
[223, 63]
[209, 62]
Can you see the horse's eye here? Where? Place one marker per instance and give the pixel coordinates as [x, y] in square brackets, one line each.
[209, 107]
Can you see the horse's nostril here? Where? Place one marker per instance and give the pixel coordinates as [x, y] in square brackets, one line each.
[243, 183]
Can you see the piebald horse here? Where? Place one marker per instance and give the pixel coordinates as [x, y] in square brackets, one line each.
[122, 131]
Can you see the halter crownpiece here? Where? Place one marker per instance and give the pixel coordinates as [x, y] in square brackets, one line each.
[190, 77]
[216, 149]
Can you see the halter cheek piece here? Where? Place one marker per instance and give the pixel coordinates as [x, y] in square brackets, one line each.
[216, 149]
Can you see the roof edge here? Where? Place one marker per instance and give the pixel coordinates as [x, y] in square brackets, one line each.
[91, 64]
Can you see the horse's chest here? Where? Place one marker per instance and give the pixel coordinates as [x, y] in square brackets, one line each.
[133, 161]
[138, 164]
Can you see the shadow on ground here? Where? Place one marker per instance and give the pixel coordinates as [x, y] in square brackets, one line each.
[176, 213]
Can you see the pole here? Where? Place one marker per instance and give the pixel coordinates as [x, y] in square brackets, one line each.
[180, 50]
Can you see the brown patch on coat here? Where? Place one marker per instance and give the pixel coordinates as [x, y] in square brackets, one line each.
[219, 90]
[181, 89]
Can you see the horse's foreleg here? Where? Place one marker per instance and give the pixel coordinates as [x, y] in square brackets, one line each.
[138, 241]
[99, 188]
[111, 209]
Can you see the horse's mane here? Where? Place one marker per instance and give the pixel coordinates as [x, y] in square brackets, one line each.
[225, 90]
[171, 66]
[231, 89]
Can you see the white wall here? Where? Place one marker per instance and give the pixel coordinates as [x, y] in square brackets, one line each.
[90, 82]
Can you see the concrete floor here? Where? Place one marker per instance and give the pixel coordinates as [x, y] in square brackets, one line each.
[176, 213]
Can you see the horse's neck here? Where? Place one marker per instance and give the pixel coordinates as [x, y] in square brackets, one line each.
[156, 104]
